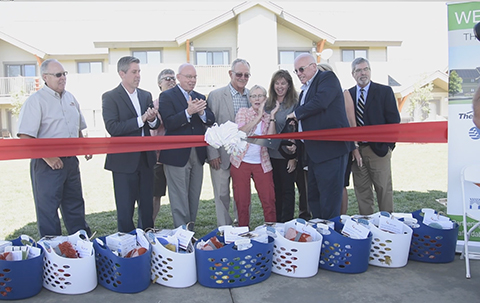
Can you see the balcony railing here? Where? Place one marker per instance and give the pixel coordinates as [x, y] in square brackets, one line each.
[12, 85]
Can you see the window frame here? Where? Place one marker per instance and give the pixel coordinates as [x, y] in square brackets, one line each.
[354, 50]
[146, 51]
[226, 52]
[90, 66]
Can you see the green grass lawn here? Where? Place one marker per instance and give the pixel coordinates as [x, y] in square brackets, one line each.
[419, 177]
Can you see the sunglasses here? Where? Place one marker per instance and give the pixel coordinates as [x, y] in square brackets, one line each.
[58, 75]
[168, 78]
[239, 75]
[302, 69]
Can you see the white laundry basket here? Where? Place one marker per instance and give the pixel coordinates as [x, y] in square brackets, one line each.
[388, 249]
[173, 269]
[66, 275]
[296, 259]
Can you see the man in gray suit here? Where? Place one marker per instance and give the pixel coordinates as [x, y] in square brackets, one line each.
[225, 103]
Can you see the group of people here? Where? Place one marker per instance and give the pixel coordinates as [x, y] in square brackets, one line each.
[319, 169]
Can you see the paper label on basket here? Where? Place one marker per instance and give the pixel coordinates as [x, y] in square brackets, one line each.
[390, 225]
[184, 237]
[231, 233]
[18, 252]
[84, 248]
[243, 244]
[431, 217]
[142, 241]
[34, 252]
[355, 230]
[4, 244]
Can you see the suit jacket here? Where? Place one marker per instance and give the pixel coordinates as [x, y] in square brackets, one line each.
[380, 108]
[172, 105]
[324, 108]
[220, 103]
[120, 120]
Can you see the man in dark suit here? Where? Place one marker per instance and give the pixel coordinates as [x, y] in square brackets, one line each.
[128, 111]
[375, 104]
[184, 112]
[322, 107]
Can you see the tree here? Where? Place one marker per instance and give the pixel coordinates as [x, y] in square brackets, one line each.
[19, 98]
[454, 83]
[420, 101]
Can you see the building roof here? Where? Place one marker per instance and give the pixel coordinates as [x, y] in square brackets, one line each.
[468, 73]
[83, 29]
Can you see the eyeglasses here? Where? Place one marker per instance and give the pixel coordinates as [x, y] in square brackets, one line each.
[168, 78]
[239, 75]
[358, 71]
[302, 69]
[58, 75]
[189, 77]
[257, 96]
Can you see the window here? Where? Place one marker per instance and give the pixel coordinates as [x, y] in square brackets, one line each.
[288, 56]
[90, 67]
[348, 55]
[212, 57]
[148, 57]
[25, 70]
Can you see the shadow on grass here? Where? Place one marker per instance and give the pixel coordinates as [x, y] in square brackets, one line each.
[105, 223]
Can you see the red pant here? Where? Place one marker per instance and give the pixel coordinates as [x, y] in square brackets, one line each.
[242, 191]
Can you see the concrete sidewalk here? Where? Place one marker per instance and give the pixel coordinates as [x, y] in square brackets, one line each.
[416, 282]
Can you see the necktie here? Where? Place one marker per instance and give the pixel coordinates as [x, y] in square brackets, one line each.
[360, 108]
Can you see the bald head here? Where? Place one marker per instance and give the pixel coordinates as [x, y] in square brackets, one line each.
[305, 67]
[187, 77]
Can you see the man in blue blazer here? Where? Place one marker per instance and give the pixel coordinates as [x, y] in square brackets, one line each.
[128, 111]
[322, 107]
[184, 112]
[378, 107]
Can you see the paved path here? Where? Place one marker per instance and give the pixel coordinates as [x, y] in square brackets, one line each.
[416, 282]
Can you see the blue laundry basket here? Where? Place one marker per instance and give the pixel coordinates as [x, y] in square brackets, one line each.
[343, 254]
[21, 279]
[124, 275]
[227, 267]
[432, 245]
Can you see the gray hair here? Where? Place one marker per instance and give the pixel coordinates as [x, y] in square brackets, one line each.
[358, 61]
[124, 63]
[164, 72]
[258, 87]
[44, 66]
[238, 61]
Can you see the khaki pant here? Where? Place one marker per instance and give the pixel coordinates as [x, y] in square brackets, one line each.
[376, 173]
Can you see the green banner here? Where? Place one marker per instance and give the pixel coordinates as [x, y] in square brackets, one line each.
[463, 15]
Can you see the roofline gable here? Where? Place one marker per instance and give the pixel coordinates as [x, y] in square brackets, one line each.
[284, 18]
[22, 45]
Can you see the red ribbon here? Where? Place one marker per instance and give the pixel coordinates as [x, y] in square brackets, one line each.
[426, 132]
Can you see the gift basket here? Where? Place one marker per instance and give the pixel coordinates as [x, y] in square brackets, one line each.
[123, 261]
[390, 242]
[21, 268]
[296, 250]
[244, 261]
[173, 257]
[432, 241]
[69, 264]
[342, 251]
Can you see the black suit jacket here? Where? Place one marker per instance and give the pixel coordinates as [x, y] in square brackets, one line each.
[172, 105]
[120, 120]
[324, 108]
[380, 108]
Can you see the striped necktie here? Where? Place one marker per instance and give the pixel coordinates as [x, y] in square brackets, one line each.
[360, 108]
